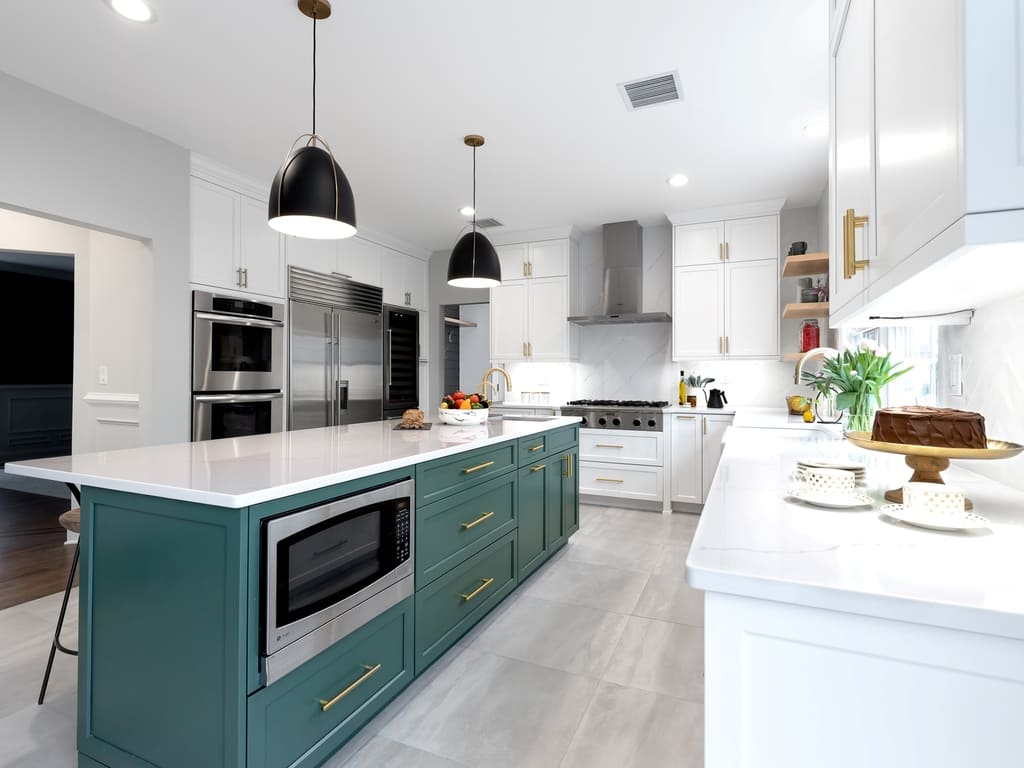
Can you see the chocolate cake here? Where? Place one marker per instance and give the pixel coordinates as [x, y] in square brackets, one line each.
[936, 427]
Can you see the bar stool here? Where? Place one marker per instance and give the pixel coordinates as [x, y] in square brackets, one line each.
[72, 521]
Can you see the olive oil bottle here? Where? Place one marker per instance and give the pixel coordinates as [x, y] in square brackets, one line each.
[682, 388]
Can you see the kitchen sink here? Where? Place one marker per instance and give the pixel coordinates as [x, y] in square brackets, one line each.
[520, 417]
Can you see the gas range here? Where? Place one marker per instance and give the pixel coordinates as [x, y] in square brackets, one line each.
[644, 415]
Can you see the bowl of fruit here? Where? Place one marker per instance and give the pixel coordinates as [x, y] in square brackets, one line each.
[461, 409]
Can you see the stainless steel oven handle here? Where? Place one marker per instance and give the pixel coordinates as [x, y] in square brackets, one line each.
[238, 320]
[239, 397]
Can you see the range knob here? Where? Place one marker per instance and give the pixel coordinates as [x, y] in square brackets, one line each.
[602, 421]
[584, 422]
[637, 422]
[616, 421]
[652, 423]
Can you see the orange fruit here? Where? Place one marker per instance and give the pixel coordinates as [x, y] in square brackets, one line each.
[465, 405]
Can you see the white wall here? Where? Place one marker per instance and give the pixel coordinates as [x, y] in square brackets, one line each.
[474, 344]
[64, 161]
[993, 376]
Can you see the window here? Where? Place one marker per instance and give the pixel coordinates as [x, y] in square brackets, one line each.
[917, 345]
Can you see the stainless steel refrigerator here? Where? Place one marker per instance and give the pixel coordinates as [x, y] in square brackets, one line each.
[335, 372]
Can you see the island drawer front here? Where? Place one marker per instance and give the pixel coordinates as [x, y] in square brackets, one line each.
[562, 439]
[451, 605]
[451, 529]
[437, 479]
[621, 481]
[286, 721]
[534, 447]
[607, 445]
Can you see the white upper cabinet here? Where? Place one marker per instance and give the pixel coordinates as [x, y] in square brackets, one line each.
[405, 279]
[231, 245]
[513, 259]
[926, 151]
[698, 244]
[549, 258]
[317, 255]
[547, 308]
[359, 260]
[725, 287]
[509, 310]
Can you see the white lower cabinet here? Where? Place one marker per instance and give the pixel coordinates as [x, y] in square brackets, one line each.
[695, 447]
[621, 481]
[621, 446]
[622, 464]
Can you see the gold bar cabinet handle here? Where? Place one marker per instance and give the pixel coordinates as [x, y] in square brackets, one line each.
[537, 447]
[475, 523]
[720, 256]
[572, 465]
[608, 445]
[726, 251]
[608, 480]
[705, 425]
[486, 583]
[529, 344]
[719, 345]
[566, 473]
[851, 223]
[688, 418]
[727, 345]
[477, 468]
[370, 672]
[525, 273]
[538, 468]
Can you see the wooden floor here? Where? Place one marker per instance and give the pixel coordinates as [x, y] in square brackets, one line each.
[34, 560]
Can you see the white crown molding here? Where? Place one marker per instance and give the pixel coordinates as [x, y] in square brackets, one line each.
[722, 212]
[532, 235]
[394, 243]
[112, 398]
[215, 173]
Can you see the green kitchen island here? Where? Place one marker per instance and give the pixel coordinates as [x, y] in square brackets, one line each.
[170, 668]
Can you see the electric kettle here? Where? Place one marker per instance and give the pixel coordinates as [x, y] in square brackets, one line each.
[717, 398]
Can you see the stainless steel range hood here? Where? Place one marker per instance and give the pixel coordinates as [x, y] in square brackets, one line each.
[623, 279]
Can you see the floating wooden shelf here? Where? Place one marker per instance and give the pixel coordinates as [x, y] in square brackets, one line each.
[805, 310]
[805, 264]
[792, 357]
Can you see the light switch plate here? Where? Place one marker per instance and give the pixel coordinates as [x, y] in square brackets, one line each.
[956, 375]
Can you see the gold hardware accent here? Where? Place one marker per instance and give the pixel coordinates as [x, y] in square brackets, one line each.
[485, 380]
[315, 9]
[524, 269]
[477, 468]
[475, 523]
[537, 447]
[473, 140]
[572, 465]
[720, 256]
[851, 223]
[487, 582]
[608, 445]
[719, 345]
[608, 480]
[726, 251]
[238, 277]
[524, 349]
[688, 418]
[370, 672]
[727, 345]
[537, 468]
[705, 425]
[566, 459]
[529, 346]
[529, 269]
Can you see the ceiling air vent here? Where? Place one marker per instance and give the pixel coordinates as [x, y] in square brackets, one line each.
[488, 223]
[649, 91]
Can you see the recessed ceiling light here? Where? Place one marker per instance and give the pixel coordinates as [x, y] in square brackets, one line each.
[816, 128]
[677, 180]
[135, 10]
[467, 210]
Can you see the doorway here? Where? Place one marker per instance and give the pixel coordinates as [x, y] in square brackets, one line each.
[466, 345]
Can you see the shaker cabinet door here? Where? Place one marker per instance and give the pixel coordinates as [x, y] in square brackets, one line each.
[214, 231]
[752, 307]
[697, 312]
[508, 321]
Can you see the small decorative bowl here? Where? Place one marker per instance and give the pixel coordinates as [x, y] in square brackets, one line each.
[462, 418]
[797, 404]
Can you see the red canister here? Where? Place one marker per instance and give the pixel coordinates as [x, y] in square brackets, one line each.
[810, 335]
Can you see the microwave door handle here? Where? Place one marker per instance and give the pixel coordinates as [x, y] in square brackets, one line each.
[236, 320]
[239, 398]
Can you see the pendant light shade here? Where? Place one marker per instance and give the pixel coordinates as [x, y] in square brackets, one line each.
[311, 196]
[474, 262]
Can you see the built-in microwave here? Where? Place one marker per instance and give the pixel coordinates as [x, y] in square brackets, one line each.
[329, 569]
[237, 344]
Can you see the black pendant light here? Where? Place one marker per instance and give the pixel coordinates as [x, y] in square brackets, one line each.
[474, 262]
[310, 196]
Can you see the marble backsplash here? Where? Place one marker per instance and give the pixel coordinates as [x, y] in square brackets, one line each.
[992, 378]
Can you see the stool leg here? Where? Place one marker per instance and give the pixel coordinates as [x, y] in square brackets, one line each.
[56, 645]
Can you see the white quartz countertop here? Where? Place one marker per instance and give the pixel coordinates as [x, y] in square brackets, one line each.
[754, 541]
[237, 472]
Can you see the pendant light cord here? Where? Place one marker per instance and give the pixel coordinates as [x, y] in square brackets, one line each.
[474, 190]
[314, 67]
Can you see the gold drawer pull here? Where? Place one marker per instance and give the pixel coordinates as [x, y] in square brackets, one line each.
[370, 672]
[608, 445]
[475, 523]
[538, 468]
[688, 418]
[851, 223]
[608, 480]
[537, 447]
[477, 468]
[486, 583]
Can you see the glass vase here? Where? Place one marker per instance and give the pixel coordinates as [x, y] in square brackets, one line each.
[860, 417]
[825, 409]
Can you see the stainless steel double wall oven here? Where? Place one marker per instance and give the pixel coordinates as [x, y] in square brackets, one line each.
[237, 366]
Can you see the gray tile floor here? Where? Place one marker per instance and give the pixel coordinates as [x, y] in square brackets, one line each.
[597, 660]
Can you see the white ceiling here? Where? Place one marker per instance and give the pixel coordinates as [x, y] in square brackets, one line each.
[400, 82]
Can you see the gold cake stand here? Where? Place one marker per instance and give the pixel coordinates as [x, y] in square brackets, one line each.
[929, 461]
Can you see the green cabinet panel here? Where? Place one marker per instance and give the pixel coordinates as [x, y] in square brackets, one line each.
[571, 494]
[534, 510]
[162, 635]
[533, 448]
[450, 530]
[440, 478]
[563, 439]
[287, 724]
[448, 607]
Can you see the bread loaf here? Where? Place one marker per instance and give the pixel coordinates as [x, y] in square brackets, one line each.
[413, 419]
